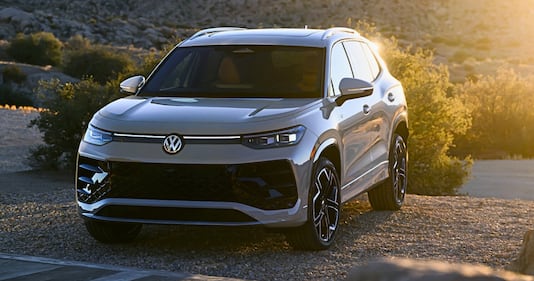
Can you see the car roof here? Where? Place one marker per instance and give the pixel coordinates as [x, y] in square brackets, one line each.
[269, 36]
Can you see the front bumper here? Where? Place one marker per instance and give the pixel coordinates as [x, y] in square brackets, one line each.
[173, 192]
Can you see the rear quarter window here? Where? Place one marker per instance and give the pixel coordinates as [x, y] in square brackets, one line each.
[359, 61]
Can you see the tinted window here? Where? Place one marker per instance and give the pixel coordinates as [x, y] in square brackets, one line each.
[359, 61]
[340, 67]
[240, 71]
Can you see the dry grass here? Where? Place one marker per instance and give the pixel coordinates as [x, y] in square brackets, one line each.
[24, 109]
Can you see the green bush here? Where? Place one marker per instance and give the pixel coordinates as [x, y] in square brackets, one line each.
[41, 48]
[77, 42]
[69, 110]
[12, 73]
[97, 62]
[501, 106]
[70, 106]
[10, 97]
[436, 118]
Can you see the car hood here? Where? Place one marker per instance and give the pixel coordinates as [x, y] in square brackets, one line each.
[199, 116]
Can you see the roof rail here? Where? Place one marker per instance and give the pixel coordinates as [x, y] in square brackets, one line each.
[208, 31]
[333, 30]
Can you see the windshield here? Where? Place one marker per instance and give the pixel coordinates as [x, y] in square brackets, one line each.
[239, 71]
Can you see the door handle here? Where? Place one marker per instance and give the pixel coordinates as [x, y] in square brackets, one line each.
[391, 97]
[366, 109]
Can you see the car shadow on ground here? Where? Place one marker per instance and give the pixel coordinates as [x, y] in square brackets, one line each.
[255, 238]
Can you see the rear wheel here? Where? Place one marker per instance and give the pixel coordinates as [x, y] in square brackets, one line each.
[113, 232]
[324, 206]
[390, 194]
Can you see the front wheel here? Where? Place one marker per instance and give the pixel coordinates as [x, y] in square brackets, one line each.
[390, 194]
[112, 232]
[324, 207]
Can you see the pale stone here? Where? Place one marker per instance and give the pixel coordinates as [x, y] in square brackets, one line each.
[525, 262]
[415, 270]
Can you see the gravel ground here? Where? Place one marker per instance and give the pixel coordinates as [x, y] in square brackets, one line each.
[42, 221]
[455, 229]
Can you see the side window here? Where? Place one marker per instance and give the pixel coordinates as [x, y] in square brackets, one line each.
[339, 67]
[359, 61]
[375, 67]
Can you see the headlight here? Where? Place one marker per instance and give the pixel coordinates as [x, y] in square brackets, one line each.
[97, 136]
[280, 138]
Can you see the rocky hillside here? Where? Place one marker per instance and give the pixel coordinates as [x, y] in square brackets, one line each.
[475, 36]
[147, 23]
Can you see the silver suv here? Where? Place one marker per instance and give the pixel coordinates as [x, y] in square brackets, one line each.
[236, 127]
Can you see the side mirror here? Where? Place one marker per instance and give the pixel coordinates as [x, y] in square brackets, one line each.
[352, 88]
[132, 84]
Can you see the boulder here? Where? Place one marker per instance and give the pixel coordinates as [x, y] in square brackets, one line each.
[416, 270]
[20, 19]
[525, 262]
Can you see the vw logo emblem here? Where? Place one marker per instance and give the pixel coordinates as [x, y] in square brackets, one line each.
[172, 144]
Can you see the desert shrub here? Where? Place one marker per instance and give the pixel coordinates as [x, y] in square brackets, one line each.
[501, 107]
[12, 73]
[69, 110]
[11, 97]
[436, 118]
[98, 62]
[71, 107]
[150, 61]
[41, 48]
[77, 42]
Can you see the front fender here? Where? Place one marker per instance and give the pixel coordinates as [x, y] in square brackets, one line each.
[321, 147]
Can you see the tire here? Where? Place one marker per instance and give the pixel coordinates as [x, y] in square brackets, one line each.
[113, 232]
[391, 193]
[324, 208]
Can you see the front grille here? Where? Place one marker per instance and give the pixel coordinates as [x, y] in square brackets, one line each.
[175, 214]
[266, 185]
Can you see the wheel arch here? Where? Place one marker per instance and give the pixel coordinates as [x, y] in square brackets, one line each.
[402, 130]
[330, 150]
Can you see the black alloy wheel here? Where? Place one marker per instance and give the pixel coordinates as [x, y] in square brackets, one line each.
[324, 210]
[390, 195]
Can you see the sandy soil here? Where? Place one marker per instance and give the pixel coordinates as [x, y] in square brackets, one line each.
[16, 139]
